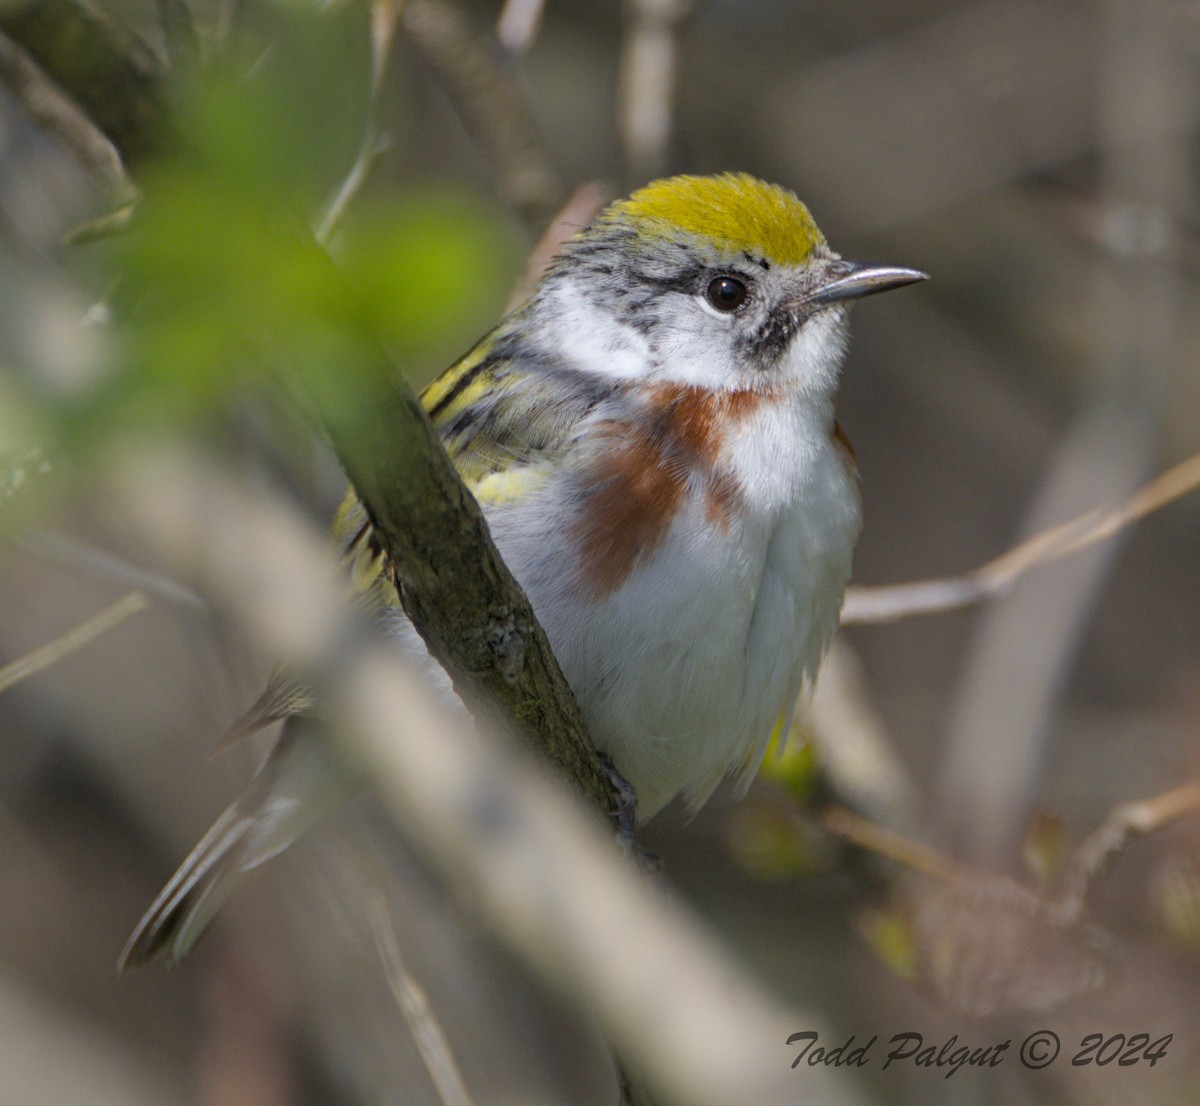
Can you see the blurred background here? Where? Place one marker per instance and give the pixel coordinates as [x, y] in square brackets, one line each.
[1038, 159]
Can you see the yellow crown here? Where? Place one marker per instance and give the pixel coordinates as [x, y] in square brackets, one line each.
[734, 211]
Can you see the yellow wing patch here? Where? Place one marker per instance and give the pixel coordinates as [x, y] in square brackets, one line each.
[734, 210]
[510, 485]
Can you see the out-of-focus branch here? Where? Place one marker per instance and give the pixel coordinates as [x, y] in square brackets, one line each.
[427, 1033]
[384, 16]
[518, 25]
[81, 558]
[179, 34]
[545, 879]
[1065, 908]
[1125, 821]
[50, 107]
[54, 651]
[890, 603]
[491, 104]
[647, 83]
[996, 743]
[112, 75]
[855, 752]
[884, 842]
[576, 214]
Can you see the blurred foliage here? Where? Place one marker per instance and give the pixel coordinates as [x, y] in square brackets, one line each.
[892, 937]
[779, 844]
[1176, 890]
[794, 766]
[219, 281]
[1045, 846]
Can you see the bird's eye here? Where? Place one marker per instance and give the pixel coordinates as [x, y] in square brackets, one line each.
[726, 293]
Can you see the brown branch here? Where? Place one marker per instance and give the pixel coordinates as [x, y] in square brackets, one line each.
[1110, 837]
[491, 103]
[112, 75]
[890, 603]
[49, 107]
[1125, 821]
[895, 846]
[467, 605]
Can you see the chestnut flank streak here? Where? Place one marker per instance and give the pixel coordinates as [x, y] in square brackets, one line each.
[635, 489]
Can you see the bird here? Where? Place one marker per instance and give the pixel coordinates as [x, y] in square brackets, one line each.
[652, 438]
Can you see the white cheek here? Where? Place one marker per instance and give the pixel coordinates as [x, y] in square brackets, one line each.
[694, 347]
[597, 342]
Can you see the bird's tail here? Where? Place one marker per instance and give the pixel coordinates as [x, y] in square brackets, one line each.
[300, 782]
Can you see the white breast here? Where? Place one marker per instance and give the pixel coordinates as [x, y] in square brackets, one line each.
[684, 671]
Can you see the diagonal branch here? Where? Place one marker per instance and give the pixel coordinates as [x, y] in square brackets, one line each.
[106, 69]
[546, 881]
[50, 107]
[467, 605]
[52, 652]
[890, 603]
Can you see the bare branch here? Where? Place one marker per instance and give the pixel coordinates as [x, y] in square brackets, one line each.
[179, 34]
[1125, 821]
[81, 558]
[491, 104]
[50, 107]
[384, 16]
[519, 23]
[854, 749]
[54, 651]
[578, 211]
[112, 75]
[895, 846]
[543, 876]
[427, 1033]
[647, 83]
[890, 603]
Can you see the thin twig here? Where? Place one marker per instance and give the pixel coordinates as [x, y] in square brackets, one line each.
[384, 17]
[80, 557]
[54, 651]
[895, 846]
[427, 1033]
[491, 103]
[890, 603]
[179, 35]
[50, 107]
[1102, 844]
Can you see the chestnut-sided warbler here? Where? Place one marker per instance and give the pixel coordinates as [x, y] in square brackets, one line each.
[652, 439]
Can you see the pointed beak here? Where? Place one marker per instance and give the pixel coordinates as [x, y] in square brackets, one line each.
[851, 280]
